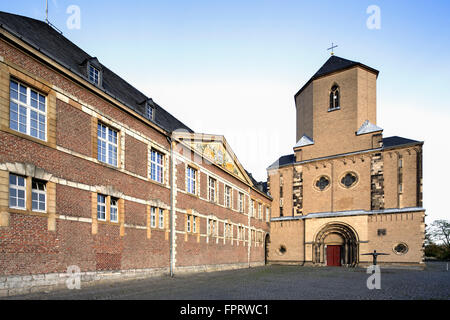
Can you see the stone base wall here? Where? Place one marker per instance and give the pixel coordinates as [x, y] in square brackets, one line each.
[217, 267]
[18, 285]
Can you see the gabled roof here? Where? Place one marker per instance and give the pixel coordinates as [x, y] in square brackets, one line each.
[215, 149]
[304, 141]
[53, 44]
[368, 127]
[334, 64]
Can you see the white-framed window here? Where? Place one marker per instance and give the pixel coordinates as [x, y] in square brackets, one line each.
[156, 166]
[212, 189]
[267, 214]
[259, 211]
[113, 210]
[17, 192]
[194, 224]
[101, 207]
[153, 217]
[107, 144]
[252, 208]
[212, 228]
[38, 196]
[241, 202]
[94, 75]
[188, 223]
[161, 218]
[241, 233]
[228, 191]
[228, 230]
[191, 180]
[215, 227]
[149, 111]
[27, 111]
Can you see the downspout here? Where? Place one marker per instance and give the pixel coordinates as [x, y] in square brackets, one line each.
[172, 209]
[304, 242]
[249, 229]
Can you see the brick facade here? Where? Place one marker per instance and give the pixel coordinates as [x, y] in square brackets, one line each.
[36, 245]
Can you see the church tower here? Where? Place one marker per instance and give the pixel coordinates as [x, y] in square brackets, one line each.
[336, 110]
[346, 190]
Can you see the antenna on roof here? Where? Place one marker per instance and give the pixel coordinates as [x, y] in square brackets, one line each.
[46, 11]
[46, 18]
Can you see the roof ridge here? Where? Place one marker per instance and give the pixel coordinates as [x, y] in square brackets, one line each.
[66, 53]
[334, 64]
[21, 16]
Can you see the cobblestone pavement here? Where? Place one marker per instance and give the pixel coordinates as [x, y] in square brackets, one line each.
[272, 283]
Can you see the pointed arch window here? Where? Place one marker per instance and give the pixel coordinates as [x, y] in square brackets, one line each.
[335, 97]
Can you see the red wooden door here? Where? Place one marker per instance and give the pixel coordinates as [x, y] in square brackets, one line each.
[334, 256]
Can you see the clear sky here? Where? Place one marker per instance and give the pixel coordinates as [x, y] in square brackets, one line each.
[233, 67]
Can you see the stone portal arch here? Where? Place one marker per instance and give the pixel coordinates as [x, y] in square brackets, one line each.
[340, 237]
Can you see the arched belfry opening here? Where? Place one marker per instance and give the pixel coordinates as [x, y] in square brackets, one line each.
[335, 97]
[336, 244]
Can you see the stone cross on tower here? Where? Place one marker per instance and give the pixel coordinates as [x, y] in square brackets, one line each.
[332, 47]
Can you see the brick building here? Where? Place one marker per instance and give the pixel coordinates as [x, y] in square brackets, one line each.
[346, 190]
[95, 174]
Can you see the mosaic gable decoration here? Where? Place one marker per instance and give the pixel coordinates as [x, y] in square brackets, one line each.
[216, 153]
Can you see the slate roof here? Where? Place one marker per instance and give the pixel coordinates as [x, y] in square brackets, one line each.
[389, 142]
[397, 141]
[50, 42]
[368, 127]
[333, 64]
[304, 141]
[282, 161]
[260, 185]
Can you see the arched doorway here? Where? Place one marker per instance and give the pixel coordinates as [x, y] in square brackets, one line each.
[333, 243]
[266, 249]
[336, 244]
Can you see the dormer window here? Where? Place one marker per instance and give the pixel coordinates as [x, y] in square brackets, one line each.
[334, 98]
[94, 71]
[94, 75]
[149, 111]
[148, 108]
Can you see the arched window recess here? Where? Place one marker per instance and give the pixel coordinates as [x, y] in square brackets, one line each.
[335, 97]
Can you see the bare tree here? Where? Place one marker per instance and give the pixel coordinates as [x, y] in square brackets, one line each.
[439, 231]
